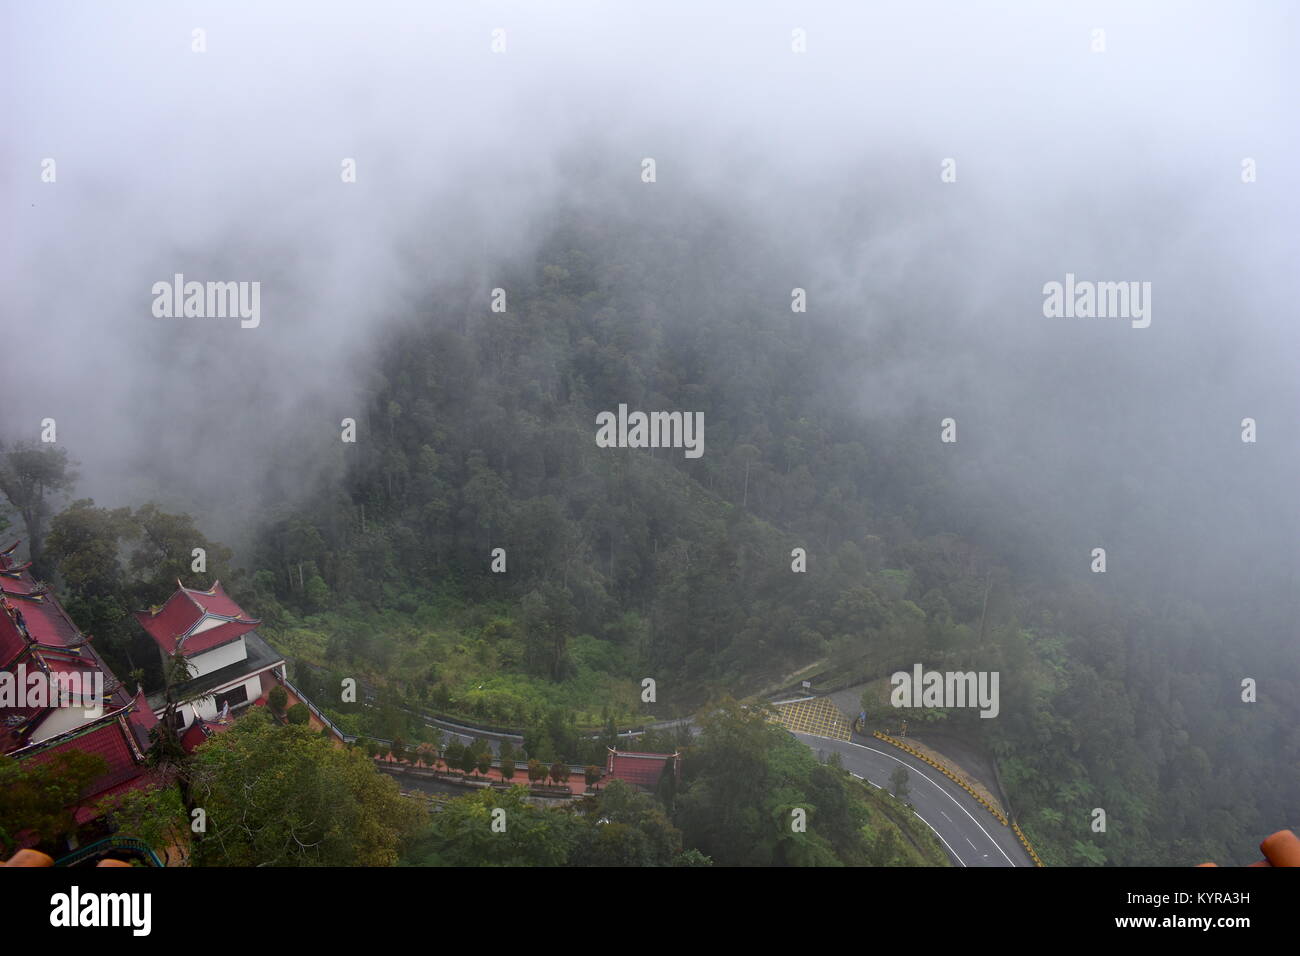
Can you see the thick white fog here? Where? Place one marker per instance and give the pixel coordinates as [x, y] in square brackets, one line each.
[1115, 165]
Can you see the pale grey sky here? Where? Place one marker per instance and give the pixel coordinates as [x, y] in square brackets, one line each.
[225, 164]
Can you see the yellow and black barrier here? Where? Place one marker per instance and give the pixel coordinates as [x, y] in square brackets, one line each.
[1029, 849]
[1001, 818]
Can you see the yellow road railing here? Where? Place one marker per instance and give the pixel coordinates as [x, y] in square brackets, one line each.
[1029, 849]
[1001, 818]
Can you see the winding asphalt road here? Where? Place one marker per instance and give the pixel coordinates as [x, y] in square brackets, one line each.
[970, 834]
[967, 831]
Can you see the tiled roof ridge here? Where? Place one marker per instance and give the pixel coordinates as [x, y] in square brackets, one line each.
[218, 591]
[226, 618]
[642, 753]
[190, 592]
[122, 725]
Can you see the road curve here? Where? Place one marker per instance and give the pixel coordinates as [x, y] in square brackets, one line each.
[970, 834]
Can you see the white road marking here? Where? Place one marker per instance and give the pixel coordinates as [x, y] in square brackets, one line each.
[924, 775]
[940, 836]
[946, 794]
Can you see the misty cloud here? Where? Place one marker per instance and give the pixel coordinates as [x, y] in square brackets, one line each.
[822, 170]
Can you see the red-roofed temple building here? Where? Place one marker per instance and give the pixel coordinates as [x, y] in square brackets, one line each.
[641, 769]
[84, 707]
[231, 666]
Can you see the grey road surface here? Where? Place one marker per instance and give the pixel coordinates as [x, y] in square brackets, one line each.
[970, 833]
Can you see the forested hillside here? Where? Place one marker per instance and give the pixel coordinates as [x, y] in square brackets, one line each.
[564, 392]
[622, 564]
[476, 431]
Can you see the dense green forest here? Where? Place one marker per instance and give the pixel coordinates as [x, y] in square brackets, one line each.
[476, 433]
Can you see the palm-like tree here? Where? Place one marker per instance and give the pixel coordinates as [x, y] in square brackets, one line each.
[168, 753]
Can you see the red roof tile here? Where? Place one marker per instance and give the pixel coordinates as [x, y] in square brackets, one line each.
[42, 615]
[142, 720]
[216, 601]
[172, 621]
[108, 740]
[12, 641]
[216, 636]
[194, 737]
[200, 731]
[183, 611]
[119, 737]
[639, 768]
[146, 779]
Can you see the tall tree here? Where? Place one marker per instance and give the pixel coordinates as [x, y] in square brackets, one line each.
[469, 759]
[30, 475]
[507, 754]
[167, 752]
[165, 553]
[454, 755]
[536, 771]
[548, 622]
[86, 545]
